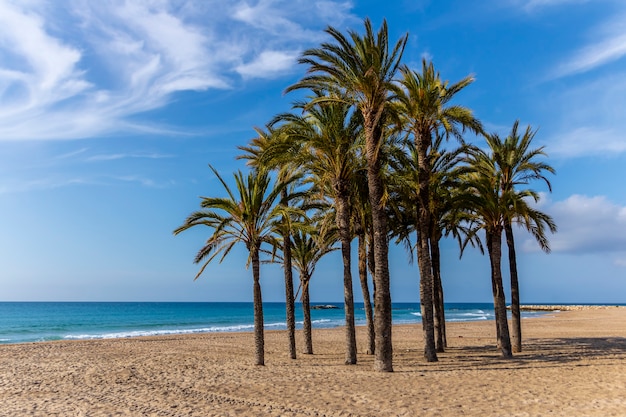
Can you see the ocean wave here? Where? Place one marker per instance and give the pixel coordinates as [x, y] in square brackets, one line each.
[267, 325]
[472, 319]
[161, 332]
[214, 329]
[417, 314]
[470, 314]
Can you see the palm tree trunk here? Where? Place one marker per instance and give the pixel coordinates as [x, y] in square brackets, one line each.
[424, 260]
[367, 303]
[383, 360]
[290, 302]
[494, 246]
[516, 322]
[371, 262]
[259, 342]
[306, 312]
[343, 223]
[438, 305]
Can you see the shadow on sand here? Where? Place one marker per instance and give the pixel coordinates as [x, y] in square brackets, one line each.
[536, 352]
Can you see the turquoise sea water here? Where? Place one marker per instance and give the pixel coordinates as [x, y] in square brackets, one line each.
[41, 321]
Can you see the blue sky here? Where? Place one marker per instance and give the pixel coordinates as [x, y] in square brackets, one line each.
[111, 111]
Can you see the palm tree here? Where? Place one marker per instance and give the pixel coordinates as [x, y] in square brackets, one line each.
[309, 247]
[487, 208]
[443, 188]
[362, 223]
[253, 153]
[360, 71]
[425, 109]
[249, 218]
[328, 139]
[517, 166]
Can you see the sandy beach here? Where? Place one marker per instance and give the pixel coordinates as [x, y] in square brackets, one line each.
[574, 364]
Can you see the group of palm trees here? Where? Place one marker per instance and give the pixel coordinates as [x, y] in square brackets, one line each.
[366, 156]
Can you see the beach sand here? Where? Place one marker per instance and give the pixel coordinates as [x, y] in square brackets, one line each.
[574, 364]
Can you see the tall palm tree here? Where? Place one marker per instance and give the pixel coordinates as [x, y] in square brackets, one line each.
[250, 217]
[359, 69]
[517, 166]
[309, 247]
[253, 153]
[328, 137]
[425, 109]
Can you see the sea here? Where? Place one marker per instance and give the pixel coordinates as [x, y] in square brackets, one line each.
[23, 322]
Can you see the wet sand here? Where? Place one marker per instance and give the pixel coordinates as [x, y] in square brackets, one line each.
[573, 364]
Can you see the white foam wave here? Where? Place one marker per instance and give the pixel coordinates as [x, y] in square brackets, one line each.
[481, 314]
[417, 314]
[161, 332]
[266, 325]
[320, 321]
[473, 319]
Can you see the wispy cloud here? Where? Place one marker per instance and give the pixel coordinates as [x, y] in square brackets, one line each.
[610, 47]
[606, 41]
[16, 186]
[532, 5]
[146, 182]
[116, 156]
[81, 69]
[37, 184]
[590, 120]
[588, 141]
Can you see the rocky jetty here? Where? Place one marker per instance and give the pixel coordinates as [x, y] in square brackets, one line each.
[325, 307]
[562, 307]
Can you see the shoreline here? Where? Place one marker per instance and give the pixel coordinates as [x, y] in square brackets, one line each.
[203, 321]
[573, 364]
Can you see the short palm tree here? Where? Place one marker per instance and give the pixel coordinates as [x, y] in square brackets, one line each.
[359, 69]
[518, 166]
[425, 110]
[309, 247]
[254, 153]
[487, 208]
[490, 206]
[250, 217]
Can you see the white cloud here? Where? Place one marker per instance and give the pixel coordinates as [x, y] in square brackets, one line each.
[588, 141]
[81, 69]
[586, 225]
[268, 64]
[44, 70]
